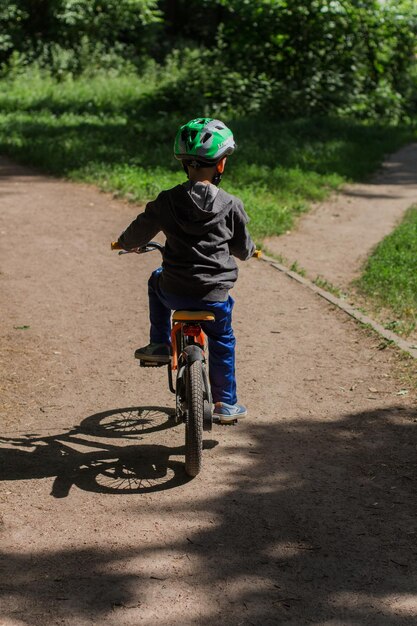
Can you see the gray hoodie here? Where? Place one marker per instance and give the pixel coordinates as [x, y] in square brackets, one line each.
[204, 228]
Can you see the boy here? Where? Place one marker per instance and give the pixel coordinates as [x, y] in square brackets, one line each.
[204, 228]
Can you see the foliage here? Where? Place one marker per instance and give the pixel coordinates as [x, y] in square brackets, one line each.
[285, 58]
[196, 79]
[390, 276]
[49, 29]
[323, 55]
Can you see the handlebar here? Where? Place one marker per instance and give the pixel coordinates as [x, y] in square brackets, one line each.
[154, 245]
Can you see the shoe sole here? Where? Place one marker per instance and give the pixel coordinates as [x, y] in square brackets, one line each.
[228, 419]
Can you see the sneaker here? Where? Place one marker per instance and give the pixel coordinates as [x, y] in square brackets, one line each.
[154, 352]
[228, 413]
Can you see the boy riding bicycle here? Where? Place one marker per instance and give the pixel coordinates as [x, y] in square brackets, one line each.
[204, 228]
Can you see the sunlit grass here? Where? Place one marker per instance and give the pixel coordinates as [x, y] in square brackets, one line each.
[114, 132]
[390, 276]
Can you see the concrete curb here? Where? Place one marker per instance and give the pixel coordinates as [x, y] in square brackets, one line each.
[344, 306]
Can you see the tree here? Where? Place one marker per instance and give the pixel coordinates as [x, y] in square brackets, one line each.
[33, 26]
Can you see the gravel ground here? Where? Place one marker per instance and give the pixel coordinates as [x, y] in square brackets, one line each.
[304, 513]
[335, 238]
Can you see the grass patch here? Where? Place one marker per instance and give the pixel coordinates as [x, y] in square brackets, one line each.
[325, 284]
[389, 280]
[114, 131]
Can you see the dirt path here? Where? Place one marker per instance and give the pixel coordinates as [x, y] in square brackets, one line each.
[304, 513]
[334, 239]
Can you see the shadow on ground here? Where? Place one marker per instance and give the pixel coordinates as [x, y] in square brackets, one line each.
[319, 528]
[92, 463]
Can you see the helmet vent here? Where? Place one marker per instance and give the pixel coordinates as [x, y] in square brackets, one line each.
[206, 137]
[220, 127]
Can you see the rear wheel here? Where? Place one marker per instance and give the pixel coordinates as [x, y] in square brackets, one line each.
[195, 418]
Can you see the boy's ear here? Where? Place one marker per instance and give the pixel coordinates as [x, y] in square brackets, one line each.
[220, 165]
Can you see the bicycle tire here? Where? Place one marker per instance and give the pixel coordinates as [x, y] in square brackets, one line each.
[194, 421]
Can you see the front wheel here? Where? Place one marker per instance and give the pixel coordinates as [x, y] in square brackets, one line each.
[194, 419]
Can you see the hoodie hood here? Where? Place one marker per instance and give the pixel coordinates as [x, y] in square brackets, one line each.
[202, 195]
[198, 207]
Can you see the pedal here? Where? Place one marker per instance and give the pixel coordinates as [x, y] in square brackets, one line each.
[151, 364]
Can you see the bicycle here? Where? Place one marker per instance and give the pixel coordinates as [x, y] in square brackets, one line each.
[189, 360]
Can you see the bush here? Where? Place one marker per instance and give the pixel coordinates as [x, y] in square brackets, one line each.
[62, 35]
[196, 79]
[283, 58]
[290, 59]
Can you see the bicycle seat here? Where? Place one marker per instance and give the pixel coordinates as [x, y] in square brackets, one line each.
[193, 316]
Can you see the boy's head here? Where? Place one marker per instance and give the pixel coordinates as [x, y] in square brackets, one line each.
[202, 146]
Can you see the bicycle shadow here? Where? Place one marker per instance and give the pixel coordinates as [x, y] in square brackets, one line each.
[80, 457]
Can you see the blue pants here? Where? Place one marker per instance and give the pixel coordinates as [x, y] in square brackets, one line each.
[220, 334]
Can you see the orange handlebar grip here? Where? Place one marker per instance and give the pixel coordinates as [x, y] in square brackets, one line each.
[257, 254]
[115, 245]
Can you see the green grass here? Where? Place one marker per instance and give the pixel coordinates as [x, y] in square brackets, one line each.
[389, 280]
[325, 284]
[114, 131]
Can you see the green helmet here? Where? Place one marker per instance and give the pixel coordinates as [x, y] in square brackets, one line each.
[204, 140]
